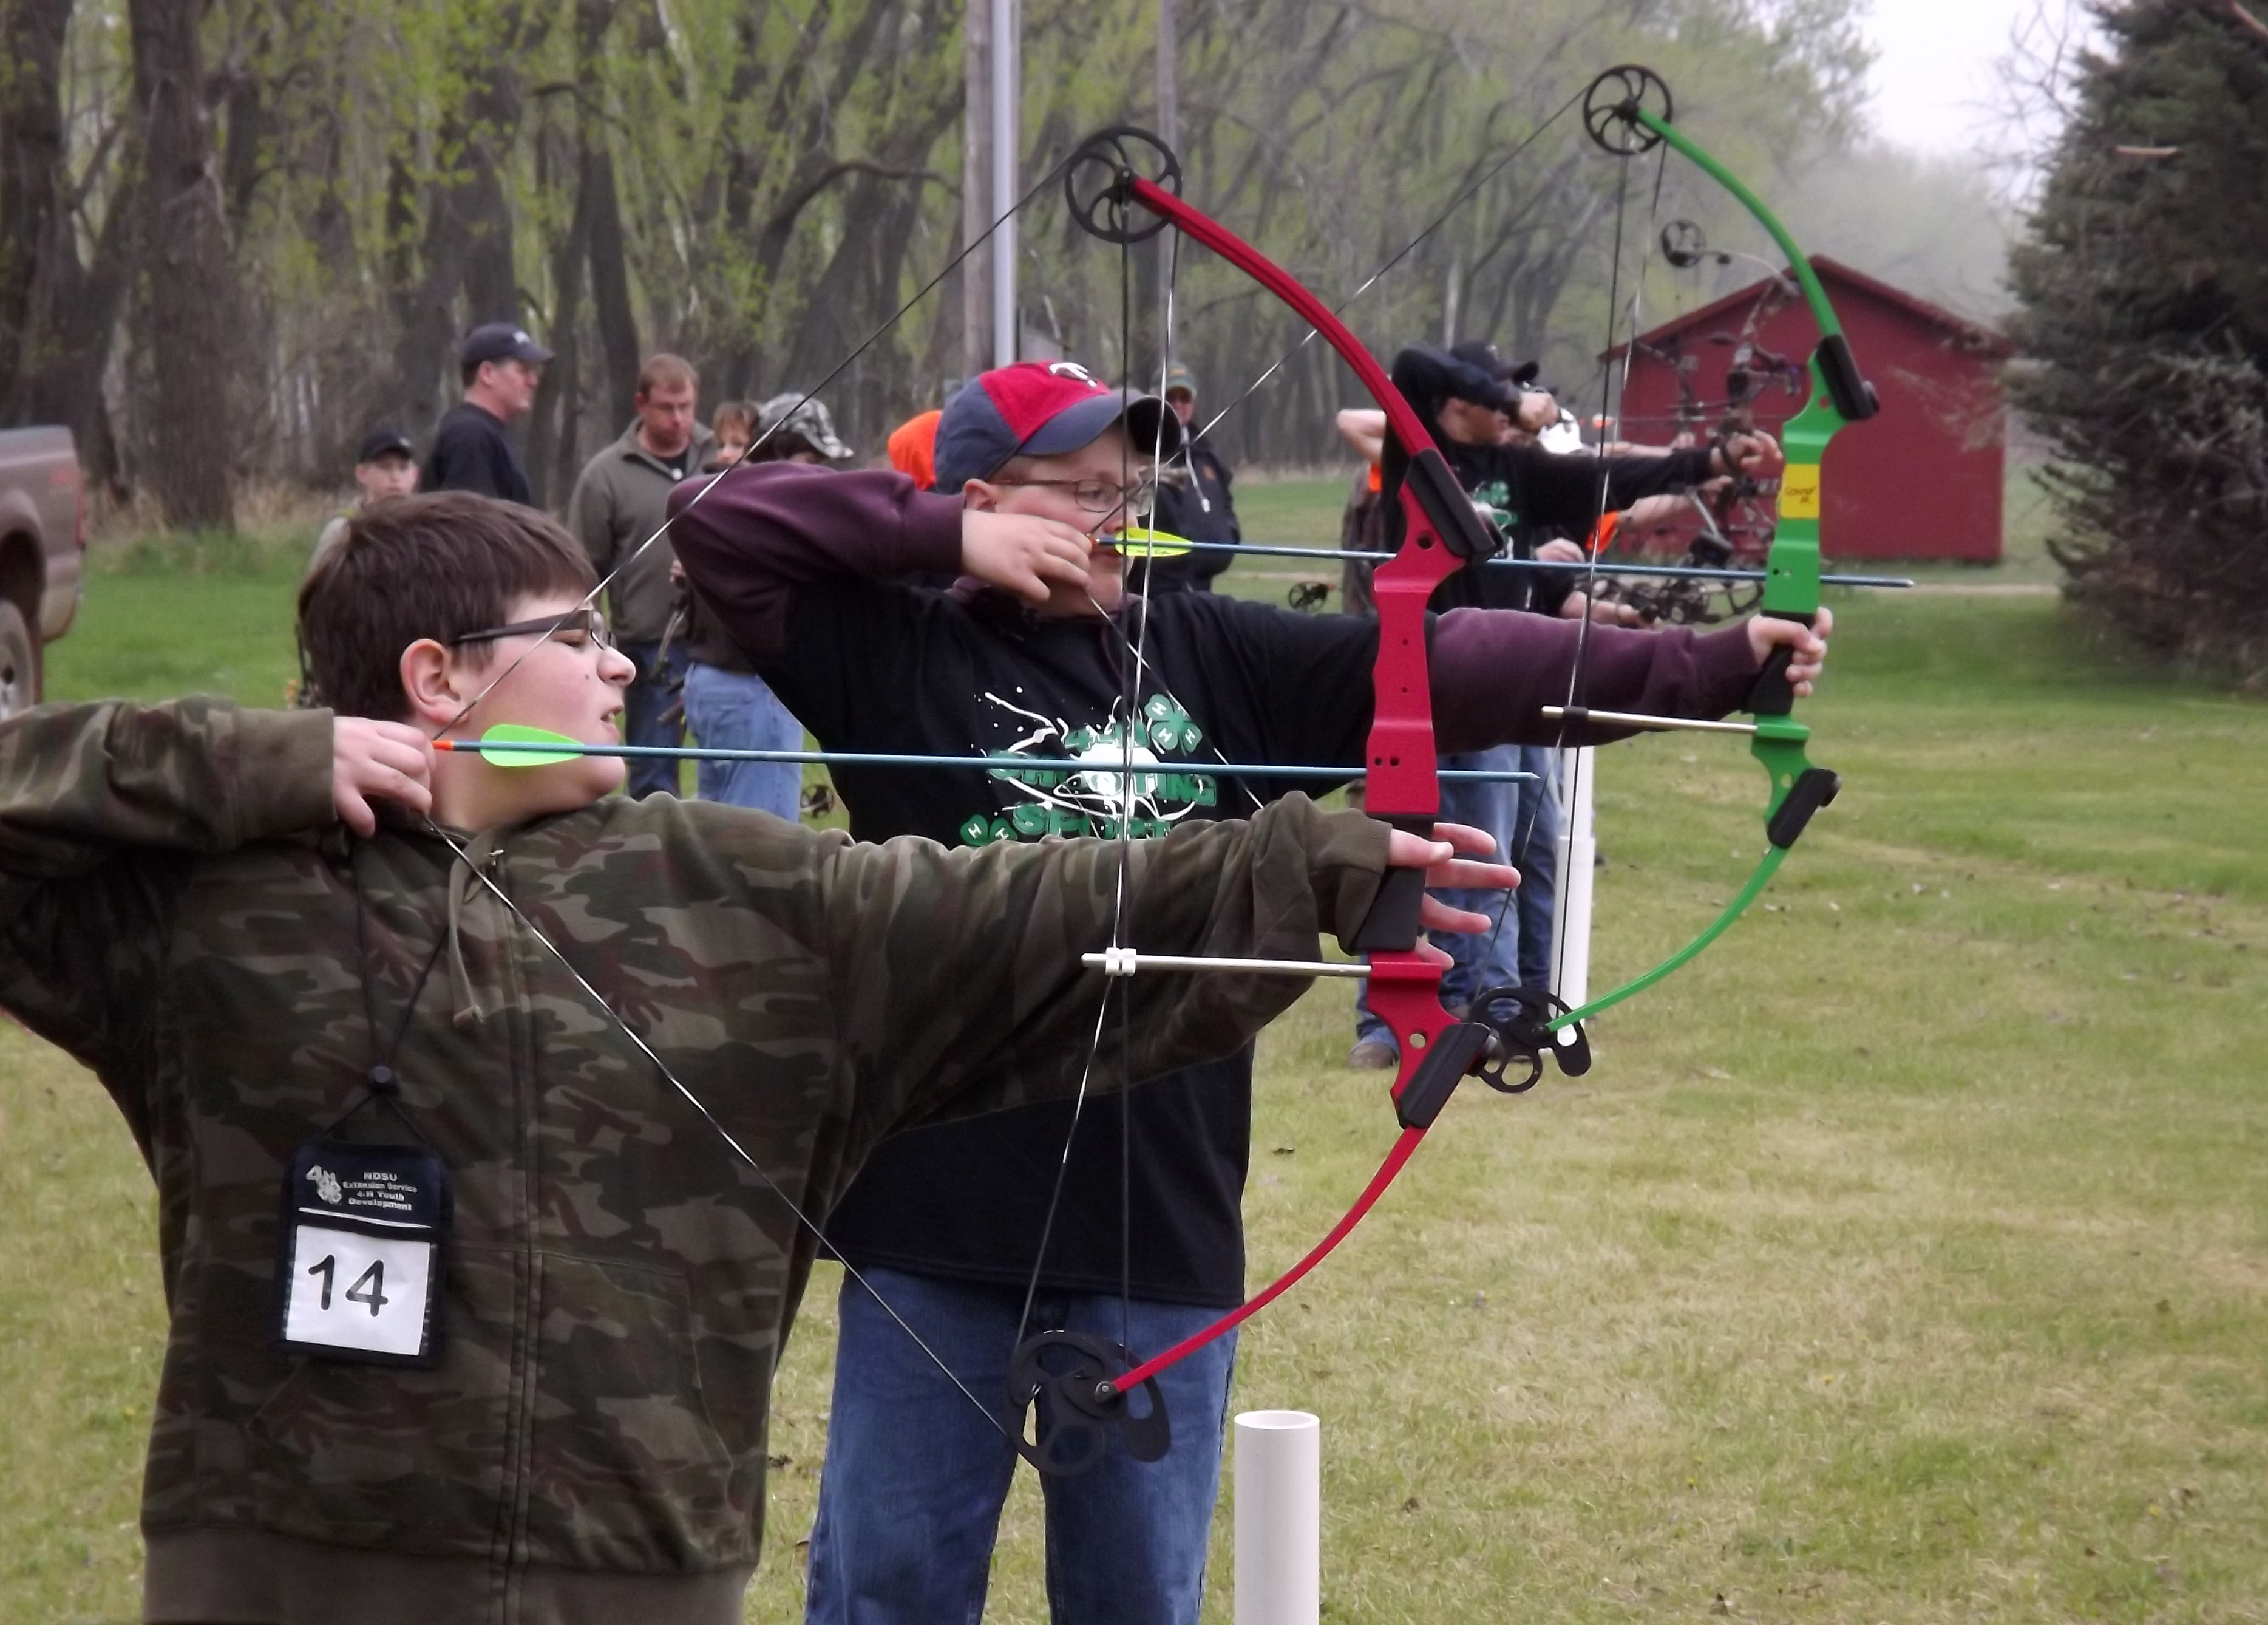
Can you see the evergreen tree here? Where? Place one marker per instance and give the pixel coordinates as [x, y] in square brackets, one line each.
[2144, 293]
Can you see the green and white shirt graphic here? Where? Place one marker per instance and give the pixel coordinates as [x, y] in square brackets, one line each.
[1075, 780]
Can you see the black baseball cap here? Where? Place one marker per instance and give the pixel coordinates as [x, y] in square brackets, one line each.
[501, 341]
[386, 442]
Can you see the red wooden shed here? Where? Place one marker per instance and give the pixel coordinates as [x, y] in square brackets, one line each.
[1923, 480]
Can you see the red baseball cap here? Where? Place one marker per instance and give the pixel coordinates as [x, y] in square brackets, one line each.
[1042, 409]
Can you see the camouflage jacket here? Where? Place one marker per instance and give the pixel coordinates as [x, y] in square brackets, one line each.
[177, 909]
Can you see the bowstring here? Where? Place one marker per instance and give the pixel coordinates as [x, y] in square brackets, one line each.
[586, 602]
[1613, 389]
[1610, 394]
[701, 1107]
[746, 458]
[1135, 672]
[1131, 699]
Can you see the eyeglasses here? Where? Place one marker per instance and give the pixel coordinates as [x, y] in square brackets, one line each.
[1101, 496]
[577, 628]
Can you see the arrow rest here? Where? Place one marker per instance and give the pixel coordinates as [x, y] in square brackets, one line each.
[1062, 1388]
[1098, 181]
[1610, 109]
[1683, 244]
[1520, 1020]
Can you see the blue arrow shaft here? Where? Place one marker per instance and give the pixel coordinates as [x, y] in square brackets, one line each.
[996, 763]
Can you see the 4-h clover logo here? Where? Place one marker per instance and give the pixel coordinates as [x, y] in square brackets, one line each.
[1170, 728]
[326, 1183]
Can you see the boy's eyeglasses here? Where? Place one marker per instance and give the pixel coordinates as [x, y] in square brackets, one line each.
[575, 629]
[1101, 496]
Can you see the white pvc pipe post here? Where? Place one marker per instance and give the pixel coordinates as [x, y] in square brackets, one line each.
[1279, 1518]
[1579, 856]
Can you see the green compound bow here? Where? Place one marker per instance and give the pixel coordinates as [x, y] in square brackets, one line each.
[1627, 112]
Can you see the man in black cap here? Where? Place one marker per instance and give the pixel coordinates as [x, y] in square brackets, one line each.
[501, 366]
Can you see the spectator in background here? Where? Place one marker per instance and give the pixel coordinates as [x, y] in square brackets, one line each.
[387, 466]
[1193, 501]
[797, 430]
[727, 707]
[913, 448]
[501, 366]
[620, 502]
[733, 428]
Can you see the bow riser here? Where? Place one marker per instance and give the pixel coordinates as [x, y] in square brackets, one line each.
[1839, 396]
[1400, 784]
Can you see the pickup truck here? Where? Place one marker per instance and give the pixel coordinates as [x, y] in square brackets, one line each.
[42, 546]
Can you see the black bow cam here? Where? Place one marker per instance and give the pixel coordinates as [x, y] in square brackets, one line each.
[1099, 182]
[1064, 1398]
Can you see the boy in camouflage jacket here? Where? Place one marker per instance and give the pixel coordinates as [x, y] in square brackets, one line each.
[229, 915]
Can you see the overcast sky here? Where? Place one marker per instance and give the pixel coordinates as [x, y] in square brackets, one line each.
[1933, 62]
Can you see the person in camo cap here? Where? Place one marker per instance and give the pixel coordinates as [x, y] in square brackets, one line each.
[249, 925]
[797, 429]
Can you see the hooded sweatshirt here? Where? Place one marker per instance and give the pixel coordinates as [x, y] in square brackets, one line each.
[179, 909]
[806, 570]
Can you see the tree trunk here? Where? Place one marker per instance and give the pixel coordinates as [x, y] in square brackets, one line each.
[610, 287]
[30, 161]
[551, 426]
[468, 244]
[188, 288]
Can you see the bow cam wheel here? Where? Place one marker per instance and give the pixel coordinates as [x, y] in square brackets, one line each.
[1064, 1399]
[1612, 104]
[1098, 182]
[1521, 1019]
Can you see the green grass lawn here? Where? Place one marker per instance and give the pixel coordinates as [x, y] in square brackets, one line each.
[1903, 1259]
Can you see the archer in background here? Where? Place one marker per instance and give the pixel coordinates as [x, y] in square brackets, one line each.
[1040, 657]
[1193, 502]
[1487, 422]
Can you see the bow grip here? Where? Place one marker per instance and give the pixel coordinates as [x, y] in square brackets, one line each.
[1391, 925]
[1846, 385]
[1773, 695]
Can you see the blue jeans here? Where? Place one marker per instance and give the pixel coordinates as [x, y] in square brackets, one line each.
[1536, 857]
[651, 698]
[1497, 956]
[909, 1499]
[734, 710]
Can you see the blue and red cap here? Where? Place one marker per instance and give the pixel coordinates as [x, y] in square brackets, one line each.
[1042, 409]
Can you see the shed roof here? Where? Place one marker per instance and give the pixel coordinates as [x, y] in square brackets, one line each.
[1834, 270]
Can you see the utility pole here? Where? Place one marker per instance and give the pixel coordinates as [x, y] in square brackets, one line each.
[1169, 83]
[1150, 259]
[976, 190]
[1007, 147]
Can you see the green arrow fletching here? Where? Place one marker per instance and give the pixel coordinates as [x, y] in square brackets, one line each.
[520, 739]
[1141, 542]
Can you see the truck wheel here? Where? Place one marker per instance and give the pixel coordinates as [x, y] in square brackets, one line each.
[19, 663]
